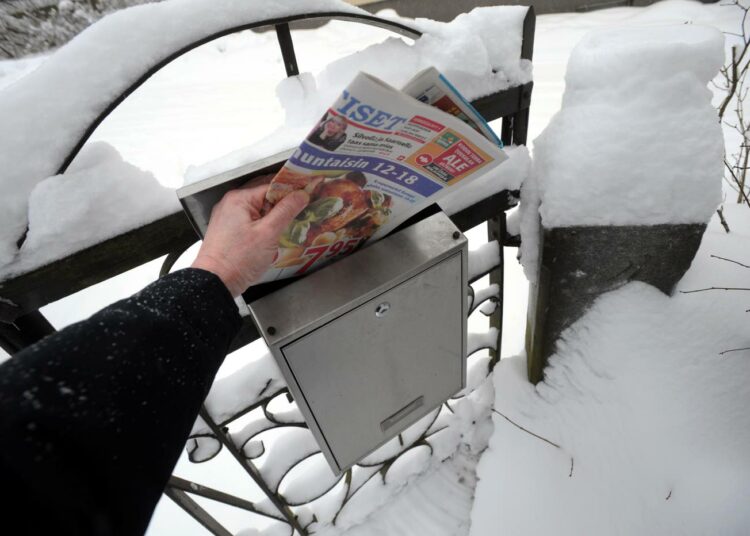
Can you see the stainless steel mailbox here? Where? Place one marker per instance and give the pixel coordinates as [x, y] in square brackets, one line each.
[374, 342]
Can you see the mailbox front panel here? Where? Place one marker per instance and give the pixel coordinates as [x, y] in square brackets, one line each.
[375, 370]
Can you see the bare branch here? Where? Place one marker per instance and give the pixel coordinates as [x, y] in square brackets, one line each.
[720, 212]
[734, 349]
[525, 430]
[742, 192]
[733, 85]
[730, 260]
[713, 288]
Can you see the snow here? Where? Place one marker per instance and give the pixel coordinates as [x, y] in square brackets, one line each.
[479, 340]
[479, 52]
[426, 495]
[86, 81]
[257, 379]
[91, 71]
[285, 449]
[438, 503]
[413, 462]
[609, 157]
[93, 201]
[310, 479]
[529, 226]
[649, 414]
[651, 393]
[483, 259]
[485, 293]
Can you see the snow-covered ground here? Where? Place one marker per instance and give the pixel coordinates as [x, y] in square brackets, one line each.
[640, 424]
[650, 418]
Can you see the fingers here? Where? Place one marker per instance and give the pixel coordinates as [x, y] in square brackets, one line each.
[249, 195]
[259, 180]
[282, 214]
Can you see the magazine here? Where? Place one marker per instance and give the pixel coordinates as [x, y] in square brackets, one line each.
[377, 157]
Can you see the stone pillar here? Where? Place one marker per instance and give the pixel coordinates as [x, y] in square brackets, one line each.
[578, 264]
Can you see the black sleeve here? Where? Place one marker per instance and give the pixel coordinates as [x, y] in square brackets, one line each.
[93, 418]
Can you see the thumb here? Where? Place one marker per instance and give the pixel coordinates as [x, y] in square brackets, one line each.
[282, 214]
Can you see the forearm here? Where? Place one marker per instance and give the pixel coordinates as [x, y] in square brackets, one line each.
[99, 412]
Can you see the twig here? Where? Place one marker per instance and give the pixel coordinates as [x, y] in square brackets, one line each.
[571, 467]
[669, 496]
[735, 349]
[712, 288]
[741, 191]
[733, 85]
[525, 430]
[730, 260]
[720, 212]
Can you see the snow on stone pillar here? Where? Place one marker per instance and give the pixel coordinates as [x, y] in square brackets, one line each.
[627, 174]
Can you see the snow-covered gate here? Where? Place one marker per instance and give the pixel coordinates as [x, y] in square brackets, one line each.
[21, 323]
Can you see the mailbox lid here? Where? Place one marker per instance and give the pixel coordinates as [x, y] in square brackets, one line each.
[366, 377]
[324, 295]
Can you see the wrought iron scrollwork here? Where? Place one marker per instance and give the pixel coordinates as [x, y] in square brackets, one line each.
[294, 474]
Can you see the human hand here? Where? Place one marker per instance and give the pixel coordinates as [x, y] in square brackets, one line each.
[240, 244]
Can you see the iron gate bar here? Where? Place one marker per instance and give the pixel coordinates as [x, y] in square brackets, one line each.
[514, 131]
[284, 36]
[252, 471]
[24, 331]
[513, 100]
[195, 511]
[216, 495]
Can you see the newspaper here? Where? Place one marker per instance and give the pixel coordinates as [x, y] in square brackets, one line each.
[377, 157]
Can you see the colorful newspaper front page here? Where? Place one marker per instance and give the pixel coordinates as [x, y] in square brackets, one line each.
[376, 157]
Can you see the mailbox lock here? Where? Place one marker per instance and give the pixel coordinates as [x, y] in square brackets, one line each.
[382, 309]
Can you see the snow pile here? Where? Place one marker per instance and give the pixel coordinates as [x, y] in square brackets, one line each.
[99, 197]
[637, 141]
[479, 52]
[525, 221]
[646, 404]
[90, 72]
[651, 421]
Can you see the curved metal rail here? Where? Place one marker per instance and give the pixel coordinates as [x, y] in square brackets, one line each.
[285, 43]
